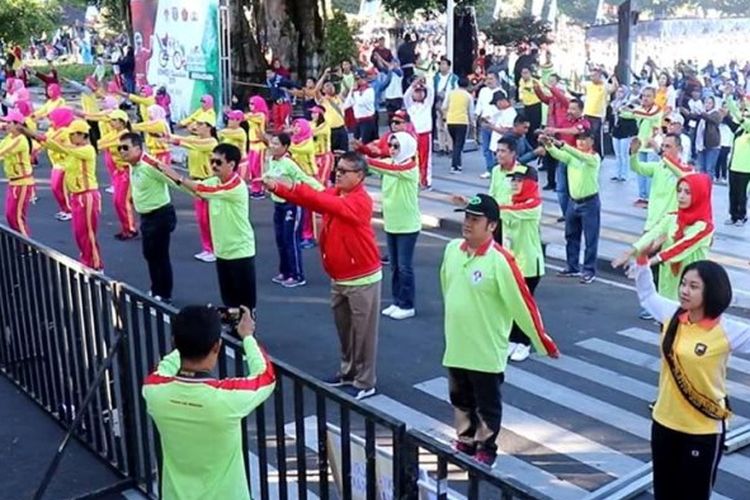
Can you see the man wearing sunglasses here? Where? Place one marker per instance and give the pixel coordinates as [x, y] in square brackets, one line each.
[150, 191]
[231, 232]
[351, 257]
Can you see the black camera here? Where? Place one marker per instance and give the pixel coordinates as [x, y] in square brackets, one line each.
[230, 316]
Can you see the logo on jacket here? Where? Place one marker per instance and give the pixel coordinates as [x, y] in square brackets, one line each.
[700, 349]
[476, 277]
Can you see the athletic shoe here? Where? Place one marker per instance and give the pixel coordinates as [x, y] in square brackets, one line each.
[740, 222]
[385, 260]
[485, 457]
[110, 190]
[258, 196]
[403, 313]
[205, 257]
[567, 273]
[614, 179]
[521, 353]
[456, 170]
[358, 393]
[63, 216]
[278, 279]
[587, 279]
[293, 283]
[549, 188]
[466, 448]
[561, 219]
[120, 236]
[305, 244]
[730, 222]
[336, 381]
[511, 348]
[485, 175]
[645, 315]
[389, 310]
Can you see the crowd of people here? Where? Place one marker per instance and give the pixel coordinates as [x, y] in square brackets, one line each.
[667, 130]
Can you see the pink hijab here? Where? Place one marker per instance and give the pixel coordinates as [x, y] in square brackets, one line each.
[207, 102]
[61, 117]
[304, 131]
[147, 91]
[54, 92]
[156, 113]
[112, 87]
[259, 105]
[109, 103]
[91, 82]
[25, 108]
[22, 94]
[17, 86]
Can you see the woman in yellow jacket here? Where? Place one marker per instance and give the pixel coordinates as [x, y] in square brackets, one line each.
[119, 125]
[15, 151]
[322, 137]
[205, 113]
[303, 152]
[199, 148]
[54, 101]
[257, 120]
[144, 99]
[235, 135]
[59, 119]
[157, 134]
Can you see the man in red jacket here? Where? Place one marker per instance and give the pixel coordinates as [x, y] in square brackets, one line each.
[352, 260]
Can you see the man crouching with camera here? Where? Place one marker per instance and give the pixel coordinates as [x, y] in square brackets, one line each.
[198, 416]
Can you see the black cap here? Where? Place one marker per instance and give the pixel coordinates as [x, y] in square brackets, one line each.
[482, 204]
[498, 96]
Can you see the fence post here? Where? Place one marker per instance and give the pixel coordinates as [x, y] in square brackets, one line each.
[405, 464]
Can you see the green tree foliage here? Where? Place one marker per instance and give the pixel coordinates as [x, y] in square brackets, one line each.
[515, 30]
[338, 43]
[407, 8]
[22, 19]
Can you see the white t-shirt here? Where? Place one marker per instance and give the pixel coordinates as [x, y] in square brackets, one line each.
[502, 118]
[727, 137]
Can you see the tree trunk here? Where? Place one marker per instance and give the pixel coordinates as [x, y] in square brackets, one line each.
[290, 30]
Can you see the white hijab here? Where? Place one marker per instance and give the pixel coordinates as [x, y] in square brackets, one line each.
[407, 147]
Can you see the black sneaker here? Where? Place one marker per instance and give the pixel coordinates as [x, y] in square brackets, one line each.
[561, 219]
[567, 273]
[587, 279]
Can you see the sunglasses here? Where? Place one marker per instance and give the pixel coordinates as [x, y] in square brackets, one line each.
[394, 145]
[123, 147]
[216, 162]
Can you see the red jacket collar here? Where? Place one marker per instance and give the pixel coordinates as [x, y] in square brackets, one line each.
[482, 250]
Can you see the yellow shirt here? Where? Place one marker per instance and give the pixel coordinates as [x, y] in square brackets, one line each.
[14, 151]
[89, 103]
[334, 114]
[236, 137]
[304, 154]
[459, 105]
[526, 92]
[322, 138]
[155, 132]
[60, 136]
[596, 100]
[199, 155]
[703, 350]
[143, 104]
[256, 130]
[79, 165]
[48, 107]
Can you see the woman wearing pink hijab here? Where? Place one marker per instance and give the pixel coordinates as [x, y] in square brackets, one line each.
[206, 113]
[157, 132]
[54, 100]
[257, 120]
[59, 119]
[303, 152]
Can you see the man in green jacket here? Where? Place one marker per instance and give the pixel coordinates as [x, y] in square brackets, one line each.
[484, 294]
[739, 171]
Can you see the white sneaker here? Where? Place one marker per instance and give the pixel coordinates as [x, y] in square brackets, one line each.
[485, 175]
[208, 257]
[110, 190]
[521, 353]
[403, 313]
[64, 216]
[511, 348]
[389, 310]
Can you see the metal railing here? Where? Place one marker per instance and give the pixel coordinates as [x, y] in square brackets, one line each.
[68, 332]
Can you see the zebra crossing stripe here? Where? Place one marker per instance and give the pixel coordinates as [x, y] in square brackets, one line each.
[506, 465]
[549, 435]
[648, 337]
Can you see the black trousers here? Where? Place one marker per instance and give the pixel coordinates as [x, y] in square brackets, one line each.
[339, 139]
[722, 162]
[237, 282]
[551, 165]
[156, 231]
[458, 136]
[738, 195]
[596, 132]
[94, 134]
[366, 130]
[477, 405]
[516, 334]
[533, 113]
[684, 464]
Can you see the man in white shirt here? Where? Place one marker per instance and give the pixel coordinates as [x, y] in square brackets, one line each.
[485, 109]
[675, 123]
[502, 121]
[418, 101]
[361, 99]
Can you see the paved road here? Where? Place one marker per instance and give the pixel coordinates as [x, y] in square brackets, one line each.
[571, 425]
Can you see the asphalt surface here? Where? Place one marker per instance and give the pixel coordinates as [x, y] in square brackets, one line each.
[585, 431]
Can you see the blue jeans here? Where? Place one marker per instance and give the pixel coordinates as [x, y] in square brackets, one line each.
[707, 161]
[561, 188]
[582, 219]
[401, 253]
[489, 156]
[287, 224]
[644, 182]
[622, 153]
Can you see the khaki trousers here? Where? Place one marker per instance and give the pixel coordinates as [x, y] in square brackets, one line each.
[356, 312]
